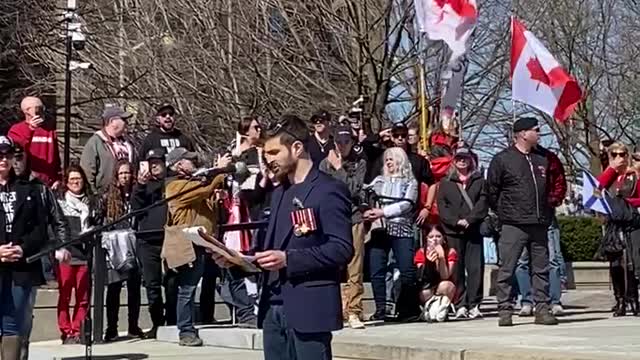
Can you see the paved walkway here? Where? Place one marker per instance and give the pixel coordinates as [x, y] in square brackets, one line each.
[587, 332]
[137, 350]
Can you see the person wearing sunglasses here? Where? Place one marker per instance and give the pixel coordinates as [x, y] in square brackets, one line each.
[621, 180]
[518, 191]
[321, 142]
[165, 134]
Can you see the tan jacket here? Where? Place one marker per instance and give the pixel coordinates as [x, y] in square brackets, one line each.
[195, 208]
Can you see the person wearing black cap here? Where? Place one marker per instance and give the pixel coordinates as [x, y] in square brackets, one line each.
[349, 165]
[321, 142]
[462, 203]
[150, 189]
[56, 222]
[518, 192]
[105, 148]
[165, 134]
[23, 232]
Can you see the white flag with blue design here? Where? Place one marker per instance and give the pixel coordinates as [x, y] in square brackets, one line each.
[592, 196]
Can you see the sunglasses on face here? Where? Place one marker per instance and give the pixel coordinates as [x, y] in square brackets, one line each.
[399, 136]
[166, 114]
[619, 154]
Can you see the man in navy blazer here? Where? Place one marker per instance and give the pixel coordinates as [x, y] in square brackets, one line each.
[307, 244]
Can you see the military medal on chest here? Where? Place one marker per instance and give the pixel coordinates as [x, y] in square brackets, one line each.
[302, 219]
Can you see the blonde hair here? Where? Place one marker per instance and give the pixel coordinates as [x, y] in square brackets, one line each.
[399, 156]
[617, 146]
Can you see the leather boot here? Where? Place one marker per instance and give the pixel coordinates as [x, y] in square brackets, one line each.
[408, 304]
[621, 307]
[11, 347]
[634, 306]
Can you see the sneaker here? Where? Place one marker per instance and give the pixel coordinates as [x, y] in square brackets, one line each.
[557, 310]
[475, 312]
[110, 335]
[527, 310]
[545, 318]
[354, 322]
[377, 316]
[504, 318]
[190, 340]
[462, 313]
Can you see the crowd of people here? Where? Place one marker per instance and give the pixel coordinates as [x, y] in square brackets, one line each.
[416, 224]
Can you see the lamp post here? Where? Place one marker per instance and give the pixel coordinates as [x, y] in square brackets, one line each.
[67, 88]
[74, 39]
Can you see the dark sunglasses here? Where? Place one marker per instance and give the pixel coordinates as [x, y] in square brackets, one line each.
[619, 154]
[399, 136]
[166, 114]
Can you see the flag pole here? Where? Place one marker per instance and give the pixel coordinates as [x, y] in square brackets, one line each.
[422, 93]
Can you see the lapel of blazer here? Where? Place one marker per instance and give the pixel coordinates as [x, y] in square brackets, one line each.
[307, 186]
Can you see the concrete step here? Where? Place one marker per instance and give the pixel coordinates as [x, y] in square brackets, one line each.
[585, 276]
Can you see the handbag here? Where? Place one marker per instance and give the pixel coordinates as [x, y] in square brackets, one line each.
[437, 309]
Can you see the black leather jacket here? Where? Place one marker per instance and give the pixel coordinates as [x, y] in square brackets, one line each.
[58, 227]
[35, 210]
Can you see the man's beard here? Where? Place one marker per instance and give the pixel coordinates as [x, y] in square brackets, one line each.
[166, 127]
[281, 172]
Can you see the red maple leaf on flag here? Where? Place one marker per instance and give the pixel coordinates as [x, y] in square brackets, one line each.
[537, 72]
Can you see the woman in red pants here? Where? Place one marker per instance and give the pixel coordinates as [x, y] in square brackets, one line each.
[78, 210]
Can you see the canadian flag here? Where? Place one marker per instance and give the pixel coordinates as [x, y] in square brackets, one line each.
[451, 21]
[537, 78]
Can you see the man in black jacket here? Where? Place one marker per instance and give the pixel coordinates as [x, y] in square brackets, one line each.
[165, 135]
[59, 231]
[150, 189]
[23, 232]
[518, 192]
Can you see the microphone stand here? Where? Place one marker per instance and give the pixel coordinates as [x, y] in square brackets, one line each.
[89, 238]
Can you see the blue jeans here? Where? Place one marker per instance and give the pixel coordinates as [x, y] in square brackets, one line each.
[556, 263]
[48, 266]
[188, 278]
[403, 251]
[16, 305]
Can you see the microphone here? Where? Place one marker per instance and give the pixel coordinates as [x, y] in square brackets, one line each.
[237, 169]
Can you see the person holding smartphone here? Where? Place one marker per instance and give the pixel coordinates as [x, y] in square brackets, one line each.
[348, 164]
[37, 135]
[436, 264]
